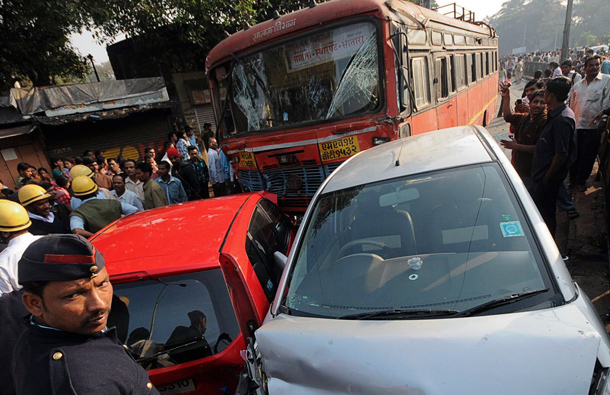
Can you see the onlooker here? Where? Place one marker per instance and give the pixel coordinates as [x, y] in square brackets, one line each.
[114, 166]
[190, 135]
[556, 70]
[5, 191]
[182, 145]
[187, 174]
[132, 183]
[14, 225]
[528, 128]
[567, 71]
[219, 173]
[26, 171]
[153, 194]
[62, 195]
[123, 195]
[201, 169]
[101, 180]
[206, 134]
[588, 98]
[58, 208]
[94, 213]
[36, 201]
[150, 159]
[44, 174]
[172, 187]
[88, 154]
[555, 151]
[605, 68]
[150, 151]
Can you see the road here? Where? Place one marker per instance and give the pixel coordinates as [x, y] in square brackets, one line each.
[584, 239]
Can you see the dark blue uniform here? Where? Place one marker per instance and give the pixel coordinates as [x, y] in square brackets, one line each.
[48, 361]
[12, 312]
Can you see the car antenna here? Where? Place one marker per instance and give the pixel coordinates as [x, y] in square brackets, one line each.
[399, 153]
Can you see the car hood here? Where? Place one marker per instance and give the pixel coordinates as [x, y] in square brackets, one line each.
[537, 352]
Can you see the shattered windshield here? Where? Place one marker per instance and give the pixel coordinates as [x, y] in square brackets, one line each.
[322, 76]
[445, 241]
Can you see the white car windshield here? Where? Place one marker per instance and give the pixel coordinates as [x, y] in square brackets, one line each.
[450, 240]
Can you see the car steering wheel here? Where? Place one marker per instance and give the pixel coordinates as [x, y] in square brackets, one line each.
[362, 242]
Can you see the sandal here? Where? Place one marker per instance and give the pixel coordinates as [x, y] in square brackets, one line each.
[573, 213]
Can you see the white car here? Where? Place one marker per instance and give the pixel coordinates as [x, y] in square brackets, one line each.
[422, 266]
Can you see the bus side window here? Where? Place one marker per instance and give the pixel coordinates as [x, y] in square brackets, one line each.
[473, 67]
[421, 81]
[442, 87]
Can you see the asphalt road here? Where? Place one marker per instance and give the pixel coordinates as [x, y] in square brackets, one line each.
[584, 239]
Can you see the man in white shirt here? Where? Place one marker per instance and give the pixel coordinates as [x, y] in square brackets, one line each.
[554, 66]
[218, 177]
[14, 225]
[121, 194]
[587, 99]
[132, 183]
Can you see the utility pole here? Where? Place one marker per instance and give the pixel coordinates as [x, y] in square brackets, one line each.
[90, 57]
[565, 47]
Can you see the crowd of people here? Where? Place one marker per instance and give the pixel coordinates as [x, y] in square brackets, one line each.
[83, 194]
[513, 66]
[556, 128]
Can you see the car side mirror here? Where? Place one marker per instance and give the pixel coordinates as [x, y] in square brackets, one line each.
[280, 261]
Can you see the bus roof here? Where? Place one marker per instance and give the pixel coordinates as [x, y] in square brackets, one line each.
[333, 10]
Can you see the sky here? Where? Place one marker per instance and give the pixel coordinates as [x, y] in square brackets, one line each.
[87, 45]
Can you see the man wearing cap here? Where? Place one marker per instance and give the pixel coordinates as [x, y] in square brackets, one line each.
[187, 174]
[14, 225]
[94, 213]
[66, 347]
[37, 202]
[82, 170]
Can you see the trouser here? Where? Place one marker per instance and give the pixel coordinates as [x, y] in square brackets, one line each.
[220, 189]
[587, 145]
[545, 197]
[564, 201]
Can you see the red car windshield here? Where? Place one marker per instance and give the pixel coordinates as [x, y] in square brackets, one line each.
[173, 320]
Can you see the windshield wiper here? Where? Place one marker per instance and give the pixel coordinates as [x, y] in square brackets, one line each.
[492, 304]
[399, 313]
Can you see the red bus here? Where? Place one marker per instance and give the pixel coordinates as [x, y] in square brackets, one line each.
[296, 96]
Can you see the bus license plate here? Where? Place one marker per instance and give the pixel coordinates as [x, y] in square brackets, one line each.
[179, 387]
[247, 160]
[337, 149]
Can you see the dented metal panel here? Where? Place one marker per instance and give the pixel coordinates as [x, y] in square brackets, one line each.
[543, 352]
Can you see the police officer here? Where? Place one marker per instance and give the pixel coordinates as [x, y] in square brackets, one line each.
[94, 212]
[66, 347]
[14, 225]
[37, 201]
[82, 170]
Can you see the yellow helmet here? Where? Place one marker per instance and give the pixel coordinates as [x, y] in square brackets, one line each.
[80, 170]
[32, 193]
[83, 185]
[13, 216]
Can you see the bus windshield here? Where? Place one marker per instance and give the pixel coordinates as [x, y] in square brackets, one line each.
[325, 75]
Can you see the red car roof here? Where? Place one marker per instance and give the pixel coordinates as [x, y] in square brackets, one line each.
[172, 239]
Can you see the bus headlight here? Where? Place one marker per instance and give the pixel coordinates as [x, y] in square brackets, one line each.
[380, 140]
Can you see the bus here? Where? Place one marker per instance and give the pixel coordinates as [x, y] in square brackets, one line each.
[296, 96]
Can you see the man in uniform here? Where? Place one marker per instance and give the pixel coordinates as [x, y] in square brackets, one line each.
[94, 213]
[36, 201]
[66, 347]
[82, 170]
[14, 225]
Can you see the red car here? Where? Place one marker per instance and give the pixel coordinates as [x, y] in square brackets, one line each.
[189, 280]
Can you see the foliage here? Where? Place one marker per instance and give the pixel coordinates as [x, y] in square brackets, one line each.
[539, 23]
